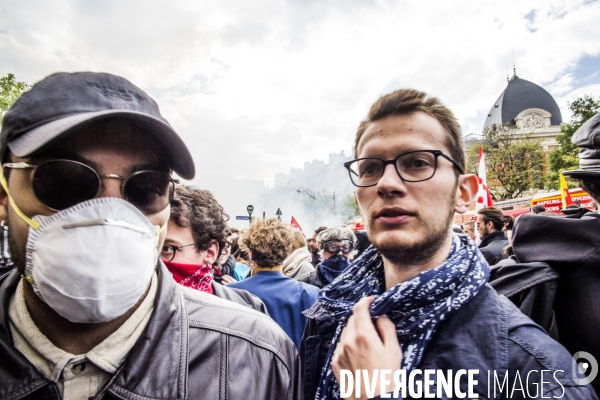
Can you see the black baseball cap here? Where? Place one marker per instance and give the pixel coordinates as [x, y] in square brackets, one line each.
[587, 138]
[64, 101]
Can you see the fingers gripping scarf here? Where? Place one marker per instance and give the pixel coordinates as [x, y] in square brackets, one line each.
[416, 306]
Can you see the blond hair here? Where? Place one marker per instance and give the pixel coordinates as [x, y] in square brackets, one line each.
[269, 242]
[299, 240]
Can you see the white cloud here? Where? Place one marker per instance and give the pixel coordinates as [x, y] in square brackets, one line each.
[255, 88]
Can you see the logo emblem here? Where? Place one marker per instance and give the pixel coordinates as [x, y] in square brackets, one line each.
[585, 368]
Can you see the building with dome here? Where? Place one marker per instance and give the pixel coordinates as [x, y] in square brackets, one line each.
[529, 108]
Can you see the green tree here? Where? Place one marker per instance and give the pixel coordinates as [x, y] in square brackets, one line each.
[514, 161]
[565, 157]
[350, 208]
[10, 90]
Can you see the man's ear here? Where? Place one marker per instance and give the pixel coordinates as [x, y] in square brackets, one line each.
[466, 190]
[212, 253]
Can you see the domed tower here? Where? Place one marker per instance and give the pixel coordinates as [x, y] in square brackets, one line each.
[530, 108]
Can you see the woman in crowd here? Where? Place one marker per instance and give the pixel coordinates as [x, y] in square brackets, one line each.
[269, 243]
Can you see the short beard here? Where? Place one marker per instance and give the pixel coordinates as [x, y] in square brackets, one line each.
[419, 253]
[486, 232]
[16, 256]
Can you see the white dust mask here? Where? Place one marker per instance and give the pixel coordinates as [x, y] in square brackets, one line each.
[91, 262]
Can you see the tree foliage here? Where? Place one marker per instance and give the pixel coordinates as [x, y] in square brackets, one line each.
[10, 90]
[515, 162]
[565, 157]
[350, 209]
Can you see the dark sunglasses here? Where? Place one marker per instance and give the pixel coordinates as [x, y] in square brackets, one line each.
[60, 184]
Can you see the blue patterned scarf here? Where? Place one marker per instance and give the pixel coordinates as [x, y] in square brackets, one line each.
[416, 306]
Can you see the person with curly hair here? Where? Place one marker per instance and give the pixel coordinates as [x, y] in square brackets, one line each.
[270, 242]
[196, 231]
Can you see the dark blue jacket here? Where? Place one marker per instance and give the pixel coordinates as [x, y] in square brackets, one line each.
[489, 334]
[285, 299]
[492, 247]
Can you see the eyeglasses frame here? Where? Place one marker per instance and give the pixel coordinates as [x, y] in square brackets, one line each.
[175, 248]
[436, 153]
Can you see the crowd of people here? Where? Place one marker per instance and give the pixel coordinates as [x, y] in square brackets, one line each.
[119, 282]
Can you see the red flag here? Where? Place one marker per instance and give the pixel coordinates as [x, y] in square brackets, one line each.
[295, 224]
[483, 193]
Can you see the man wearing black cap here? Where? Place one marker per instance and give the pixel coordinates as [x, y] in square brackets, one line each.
[90, 311]
[571, 246]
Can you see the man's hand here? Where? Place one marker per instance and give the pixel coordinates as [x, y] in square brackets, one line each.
[363, 346]
[227, 279]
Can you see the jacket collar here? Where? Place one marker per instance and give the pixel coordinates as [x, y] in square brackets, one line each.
[18, 376]
[484, 323]
[497, 235]
[159, 355]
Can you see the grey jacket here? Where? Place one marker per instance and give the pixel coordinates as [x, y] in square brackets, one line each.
[194, 346]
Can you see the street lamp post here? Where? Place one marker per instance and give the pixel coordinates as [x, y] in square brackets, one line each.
[310, 194]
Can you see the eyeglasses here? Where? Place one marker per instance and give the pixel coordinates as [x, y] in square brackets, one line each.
[168, 251]
[413, 166]
[60, 184]
[335, 245]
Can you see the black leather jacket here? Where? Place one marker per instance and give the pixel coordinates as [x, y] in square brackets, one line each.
[194, 346]
[571, 246]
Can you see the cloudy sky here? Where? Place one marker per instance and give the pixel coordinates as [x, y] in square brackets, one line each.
[257, 87]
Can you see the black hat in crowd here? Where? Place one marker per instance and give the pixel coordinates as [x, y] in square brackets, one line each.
[587, 138]
[64, 101]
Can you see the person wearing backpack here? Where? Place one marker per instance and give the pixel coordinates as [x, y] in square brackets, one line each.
[571, 247]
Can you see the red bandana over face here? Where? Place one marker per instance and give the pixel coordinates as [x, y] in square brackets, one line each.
[195, 276]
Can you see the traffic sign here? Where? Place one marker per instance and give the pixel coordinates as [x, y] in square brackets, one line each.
[250, 208]
[243, 217]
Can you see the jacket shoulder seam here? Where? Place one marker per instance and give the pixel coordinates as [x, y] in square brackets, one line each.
[238, 307]
[541, 359]
[243, 335]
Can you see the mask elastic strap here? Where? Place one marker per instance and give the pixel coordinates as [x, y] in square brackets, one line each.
[161, 228]
[28, 221]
